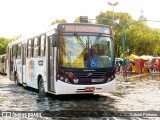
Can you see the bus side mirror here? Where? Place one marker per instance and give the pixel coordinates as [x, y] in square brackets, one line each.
[55, 40]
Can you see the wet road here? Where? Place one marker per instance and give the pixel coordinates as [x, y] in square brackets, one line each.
[138, 93]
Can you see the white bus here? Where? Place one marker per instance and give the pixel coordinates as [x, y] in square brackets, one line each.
[69, 58]
[3, 64]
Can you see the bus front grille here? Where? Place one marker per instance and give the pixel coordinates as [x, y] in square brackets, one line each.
[90, 75]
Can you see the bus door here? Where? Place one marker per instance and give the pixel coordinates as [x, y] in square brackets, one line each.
[11, 73]
[5, 64]
[51, 57]
[23, 64]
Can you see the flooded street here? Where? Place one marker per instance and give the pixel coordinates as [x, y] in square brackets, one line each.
[138, 93]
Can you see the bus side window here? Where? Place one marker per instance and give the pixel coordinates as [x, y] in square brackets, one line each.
[14, 51]
[42, 45]
[39, 46]
[19, 51]
[29, 48]
[35, 47]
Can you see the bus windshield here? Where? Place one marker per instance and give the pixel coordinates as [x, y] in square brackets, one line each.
[85, 51]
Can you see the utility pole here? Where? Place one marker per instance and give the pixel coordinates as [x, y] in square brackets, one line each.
[113, 4]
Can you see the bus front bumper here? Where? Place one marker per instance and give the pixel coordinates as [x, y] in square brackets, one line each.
[65, 88]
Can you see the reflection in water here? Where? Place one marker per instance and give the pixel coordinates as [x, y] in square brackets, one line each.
[27, 100]
[76, 102]
[141, 93]
[76, 105]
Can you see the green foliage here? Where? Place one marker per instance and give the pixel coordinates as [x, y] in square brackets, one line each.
[3, 45]
[77, 20]
[59, 21]
[140, 39]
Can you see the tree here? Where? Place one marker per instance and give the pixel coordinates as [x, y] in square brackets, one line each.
[77, 20]
[122, 18]
[3, 45]
[140, 38]
[59, 21]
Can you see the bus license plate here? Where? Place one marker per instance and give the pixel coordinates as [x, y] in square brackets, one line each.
[89, 89]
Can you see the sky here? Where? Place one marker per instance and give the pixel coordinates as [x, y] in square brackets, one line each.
[23, 17]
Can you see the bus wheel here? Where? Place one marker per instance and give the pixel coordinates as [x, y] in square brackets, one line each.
[41, 87]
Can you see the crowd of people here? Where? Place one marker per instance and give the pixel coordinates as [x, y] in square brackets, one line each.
[137, 65]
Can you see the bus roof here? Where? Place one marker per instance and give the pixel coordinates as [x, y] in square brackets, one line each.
[50, 29]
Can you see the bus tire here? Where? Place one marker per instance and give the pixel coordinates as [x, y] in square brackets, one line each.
[41, 87]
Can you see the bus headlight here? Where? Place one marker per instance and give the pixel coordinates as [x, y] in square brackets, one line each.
[75, 80]
[61, 78]
[66, 80]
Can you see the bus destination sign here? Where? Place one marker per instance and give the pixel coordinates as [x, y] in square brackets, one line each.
[86, 28]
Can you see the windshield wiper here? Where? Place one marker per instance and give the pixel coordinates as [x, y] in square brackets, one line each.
[80, 40]
[97, 39]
